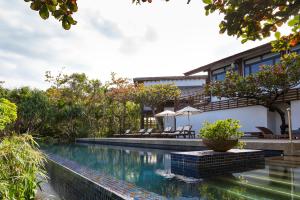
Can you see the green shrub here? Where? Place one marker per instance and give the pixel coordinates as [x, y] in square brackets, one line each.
[20, 164]
[221, 130]
[8, 113]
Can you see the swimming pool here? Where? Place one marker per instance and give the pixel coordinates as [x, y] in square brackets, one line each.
[150, 169]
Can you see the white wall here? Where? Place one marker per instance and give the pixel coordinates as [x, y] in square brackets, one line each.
[295, 108]
[249, 117]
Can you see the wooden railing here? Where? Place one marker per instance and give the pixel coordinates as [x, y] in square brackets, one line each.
[201, 101]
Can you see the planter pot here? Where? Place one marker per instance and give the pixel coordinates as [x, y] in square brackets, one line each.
[220, 145]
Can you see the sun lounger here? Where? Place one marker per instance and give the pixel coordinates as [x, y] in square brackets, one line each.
[128, 131]
[167, 130]
[268, 134]
[141, 131]
[148, 131]
[187, 131]
[177, 132]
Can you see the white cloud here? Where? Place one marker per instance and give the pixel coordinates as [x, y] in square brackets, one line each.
[111, 36]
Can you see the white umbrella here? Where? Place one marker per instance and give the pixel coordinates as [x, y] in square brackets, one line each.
[188, 111]
[166, 113]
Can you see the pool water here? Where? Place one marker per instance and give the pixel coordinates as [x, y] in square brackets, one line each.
[150, 169]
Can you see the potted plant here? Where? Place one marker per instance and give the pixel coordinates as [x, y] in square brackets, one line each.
[222, 135]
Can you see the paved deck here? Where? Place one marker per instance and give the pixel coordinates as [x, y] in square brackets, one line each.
[266, 144]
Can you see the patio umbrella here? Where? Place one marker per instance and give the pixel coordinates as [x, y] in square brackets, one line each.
[166, 113]
[188, 111]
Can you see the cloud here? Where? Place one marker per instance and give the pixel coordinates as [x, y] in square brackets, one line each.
[146, 40]
[107, 28]
[151, 35]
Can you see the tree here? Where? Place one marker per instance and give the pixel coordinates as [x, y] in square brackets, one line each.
[155, 96]
[266, 86]
[256, 19]
[8, 113]
[61, 10]
[33, 109]
[122, 91]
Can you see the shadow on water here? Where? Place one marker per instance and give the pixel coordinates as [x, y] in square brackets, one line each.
[150, 169]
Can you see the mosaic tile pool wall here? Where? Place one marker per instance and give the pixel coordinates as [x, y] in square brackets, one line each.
[70, 185]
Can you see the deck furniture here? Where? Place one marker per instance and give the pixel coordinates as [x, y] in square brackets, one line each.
[148, 132]
[141, 131]
[167, 130]
[128, 131]
[268, 134]
[187, 131]
[177, 132]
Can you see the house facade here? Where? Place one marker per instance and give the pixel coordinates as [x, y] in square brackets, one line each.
[189, 85]
[246, 110]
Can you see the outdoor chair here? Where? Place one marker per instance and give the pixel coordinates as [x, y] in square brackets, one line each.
[148, 131]
[167, 130]
[187, 131]
[268, 134]
[177, 132]
[141, 131]
[128, 131]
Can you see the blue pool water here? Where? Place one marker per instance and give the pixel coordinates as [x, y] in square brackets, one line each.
[150, 169]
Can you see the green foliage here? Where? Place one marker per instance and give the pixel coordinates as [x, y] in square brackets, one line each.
[33, 109]
[21, 163]
[155, 96]
[8, 113]
[252, 20]
[267, 85]
[221, 130]
[61, 10]
[76, 106]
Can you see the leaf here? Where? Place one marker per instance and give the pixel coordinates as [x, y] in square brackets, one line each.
[58, 13]
[71, 20]
[244, 41]
[44, 13]
[207, 1]
[65, 24]
[277, 35]
[35, 5]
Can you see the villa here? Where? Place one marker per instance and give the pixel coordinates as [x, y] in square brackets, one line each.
[245, 63]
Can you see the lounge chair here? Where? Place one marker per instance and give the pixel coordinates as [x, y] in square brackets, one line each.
[167, 130]
[148, 131]
[128, 131]
[187, 131]
[268, 134]
[177, 132]
[141, 131]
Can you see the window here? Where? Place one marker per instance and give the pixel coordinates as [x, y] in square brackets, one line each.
[253, 65]
[220, 74]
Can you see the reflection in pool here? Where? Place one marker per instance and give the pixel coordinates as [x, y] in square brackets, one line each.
[150, 169]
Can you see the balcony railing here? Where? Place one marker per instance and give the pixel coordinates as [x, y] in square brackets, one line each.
[201, 101]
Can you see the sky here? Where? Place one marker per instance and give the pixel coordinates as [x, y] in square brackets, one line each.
[158, 39]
